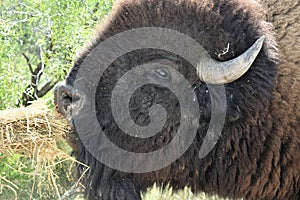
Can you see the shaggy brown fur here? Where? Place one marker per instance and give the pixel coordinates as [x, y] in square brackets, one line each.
[257, 156]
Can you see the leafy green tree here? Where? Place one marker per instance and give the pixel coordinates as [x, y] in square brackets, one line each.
[38, 42]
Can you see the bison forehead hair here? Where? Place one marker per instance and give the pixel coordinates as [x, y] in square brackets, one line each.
[253, 159]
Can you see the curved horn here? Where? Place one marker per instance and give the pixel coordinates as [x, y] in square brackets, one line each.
[215, 72]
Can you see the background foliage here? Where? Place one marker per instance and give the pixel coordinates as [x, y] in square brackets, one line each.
[38, 42]
[44, 35]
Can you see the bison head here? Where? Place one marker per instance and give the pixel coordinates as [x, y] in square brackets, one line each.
[184, 47]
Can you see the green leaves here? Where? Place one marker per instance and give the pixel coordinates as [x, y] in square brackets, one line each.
[48, 33]
[39, 36]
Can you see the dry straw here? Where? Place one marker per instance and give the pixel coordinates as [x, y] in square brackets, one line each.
[26, 130]
[34, 132]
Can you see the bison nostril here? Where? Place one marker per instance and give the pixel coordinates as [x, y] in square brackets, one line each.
[66, 100]
[64, 96]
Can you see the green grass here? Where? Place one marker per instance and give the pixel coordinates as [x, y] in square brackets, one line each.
[156, 193]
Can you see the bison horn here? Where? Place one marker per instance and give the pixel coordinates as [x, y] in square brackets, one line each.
[215, 72]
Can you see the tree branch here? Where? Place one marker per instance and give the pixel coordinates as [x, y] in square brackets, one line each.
[46, 88]
[28, 62]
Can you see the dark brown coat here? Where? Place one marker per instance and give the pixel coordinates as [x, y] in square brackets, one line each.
[258, 154]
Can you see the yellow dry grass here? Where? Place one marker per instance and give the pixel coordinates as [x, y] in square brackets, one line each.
[34, 132]
[31, 131]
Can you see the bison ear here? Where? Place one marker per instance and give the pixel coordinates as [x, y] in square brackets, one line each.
[215, 72]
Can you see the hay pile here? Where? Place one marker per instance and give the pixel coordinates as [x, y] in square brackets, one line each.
[32, 131]
[35, 133]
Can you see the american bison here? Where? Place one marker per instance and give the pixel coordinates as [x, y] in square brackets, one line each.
[257, 155]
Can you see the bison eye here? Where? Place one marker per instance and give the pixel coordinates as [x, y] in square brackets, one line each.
[162, 72]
